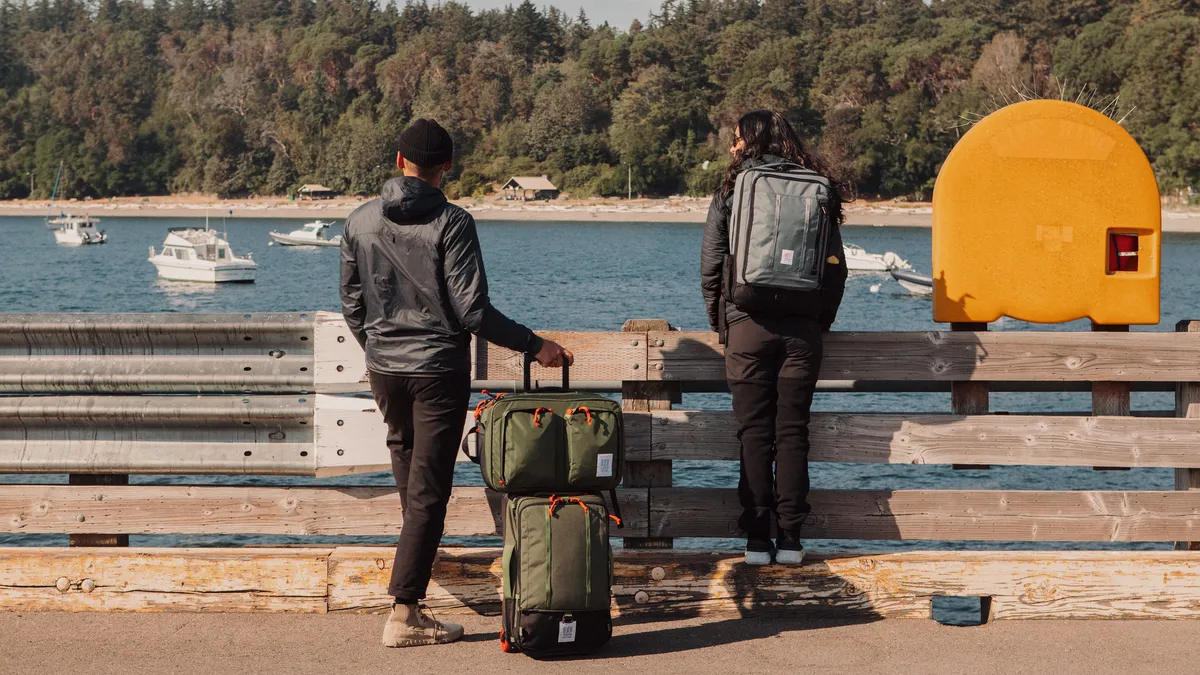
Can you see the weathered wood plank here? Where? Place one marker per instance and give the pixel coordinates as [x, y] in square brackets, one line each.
[98, 539]
[1022, 585]
[178, 509]
[969, 398]
[1110, 398]
[468, 581]
[638, 435]
[341, 365]
[646, 398]
[949, 439]
[601, 356]
[300, 441]
[951, 356]
[1187, 405]
[959, 515]
[465, 580]
[162, 580]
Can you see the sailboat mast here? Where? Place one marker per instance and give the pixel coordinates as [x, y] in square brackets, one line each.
[54, 193]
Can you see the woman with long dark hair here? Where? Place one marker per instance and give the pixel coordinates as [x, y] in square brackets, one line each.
[772, 354]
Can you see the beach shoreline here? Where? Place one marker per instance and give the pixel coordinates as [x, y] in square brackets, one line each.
[672, 210]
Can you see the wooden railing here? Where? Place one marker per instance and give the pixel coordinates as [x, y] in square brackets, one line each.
[101, 397]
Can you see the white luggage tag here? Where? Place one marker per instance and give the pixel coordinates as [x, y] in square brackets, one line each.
[604, 466]
[566, 631]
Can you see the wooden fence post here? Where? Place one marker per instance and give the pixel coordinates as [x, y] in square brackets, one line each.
[98, 539]
[1187, 404]
[1110, 399]
[969, 398]
[645, 397]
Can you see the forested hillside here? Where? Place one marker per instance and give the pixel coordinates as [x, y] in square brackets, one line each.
[243, 97]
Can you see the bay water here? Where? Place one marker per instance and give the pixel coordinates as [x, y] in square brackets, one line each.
[570, 276]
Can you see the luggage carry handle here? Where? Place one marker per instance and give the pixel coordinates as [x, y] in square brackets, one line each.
[566, 375]
[466, 444]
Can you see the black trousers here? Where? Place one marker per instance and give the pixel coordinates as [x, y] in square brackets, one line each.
[425, 425]
[772, 364]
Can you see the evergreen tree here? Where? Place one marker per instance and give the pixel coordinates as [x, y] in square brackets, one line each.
[254, 96]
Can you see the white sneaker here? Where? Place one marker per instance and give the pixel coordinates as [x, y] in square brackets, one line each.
[789, 551]
[759, 552]
[788, 557]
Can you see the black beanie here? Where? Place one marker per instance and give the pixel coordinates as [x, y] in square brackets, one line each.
[426, 144]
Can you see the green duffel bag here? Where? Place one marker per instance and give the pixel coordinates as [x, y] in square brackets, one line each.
[557, 575]
[549, 441]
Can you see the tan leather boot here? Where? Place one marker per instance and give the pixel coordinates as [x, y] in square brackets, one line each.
[411, 626]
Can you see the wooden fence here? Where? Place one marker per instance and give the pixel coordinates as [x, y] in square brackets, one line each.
[101, 397]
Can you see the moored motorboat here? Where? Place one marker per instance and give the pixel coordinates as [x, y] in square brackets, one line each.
[192, 254]
[77, 230]
[912, 282]
[859, 259]
[311, 234]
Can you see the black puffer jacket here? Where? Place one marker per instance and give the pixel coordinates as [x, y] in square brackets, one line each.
[821, 305]
[413, 285]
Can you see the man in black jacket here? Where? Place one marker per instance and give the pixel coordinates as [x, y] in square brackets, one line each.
[413, 293]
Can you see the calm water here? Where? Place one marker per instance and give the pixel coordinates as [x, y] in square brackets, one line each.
[565, 276]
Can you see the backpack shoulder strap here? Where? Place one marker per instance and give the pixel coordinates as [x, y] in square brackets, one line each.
[616, 508]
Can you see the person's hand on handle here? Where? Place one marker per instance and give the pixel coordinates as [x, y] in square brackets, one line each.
[553, 355]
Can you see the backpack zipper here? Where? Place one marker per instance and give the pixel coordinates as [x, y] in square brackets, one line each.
[804, 233]
[822, 245]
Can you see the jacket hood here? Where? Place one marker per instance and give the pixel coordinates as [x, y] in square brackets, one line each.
[408, 199]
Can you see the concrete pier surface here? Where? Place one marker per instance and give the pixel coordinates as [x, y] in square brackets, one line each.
[244, 644]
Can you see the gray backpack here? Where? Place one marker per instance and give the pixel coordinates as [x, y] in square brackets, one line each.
[778, 234]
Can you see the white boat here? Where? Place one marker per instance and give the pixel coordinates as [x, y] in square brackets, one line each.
[912, 282]
[77, 231]
[859, 260]
[192, 254]
[311, 234]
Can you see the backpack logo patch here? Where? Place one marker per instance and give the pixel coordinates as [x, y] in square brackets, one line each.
[786, 258]
[604, 466]
[566, 631]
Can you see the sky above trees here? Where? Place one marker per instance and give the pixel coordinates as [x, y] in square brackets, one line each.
[618, 13]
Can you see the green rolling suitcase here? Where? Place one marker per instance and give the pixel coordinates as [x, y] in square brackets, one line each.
[558, 574]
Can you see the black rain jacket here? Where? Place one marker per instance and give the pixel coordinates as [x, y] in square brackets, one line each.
[413, 285]
[822, 305]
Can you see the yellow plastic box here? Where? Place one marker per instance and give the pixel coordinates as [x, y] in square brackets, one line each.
[1047, 211]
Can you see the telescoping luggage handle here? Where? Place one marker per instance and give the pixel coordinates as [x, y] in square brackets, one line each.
[566, 378]
[528, 382]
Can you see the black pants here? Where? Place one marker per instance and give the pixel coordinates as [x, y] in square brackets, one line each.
[772, 365]
[425, 424]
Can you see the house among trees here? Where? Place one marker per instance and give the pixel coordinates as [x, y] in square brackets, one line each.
[313, 191]
[526, 188]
